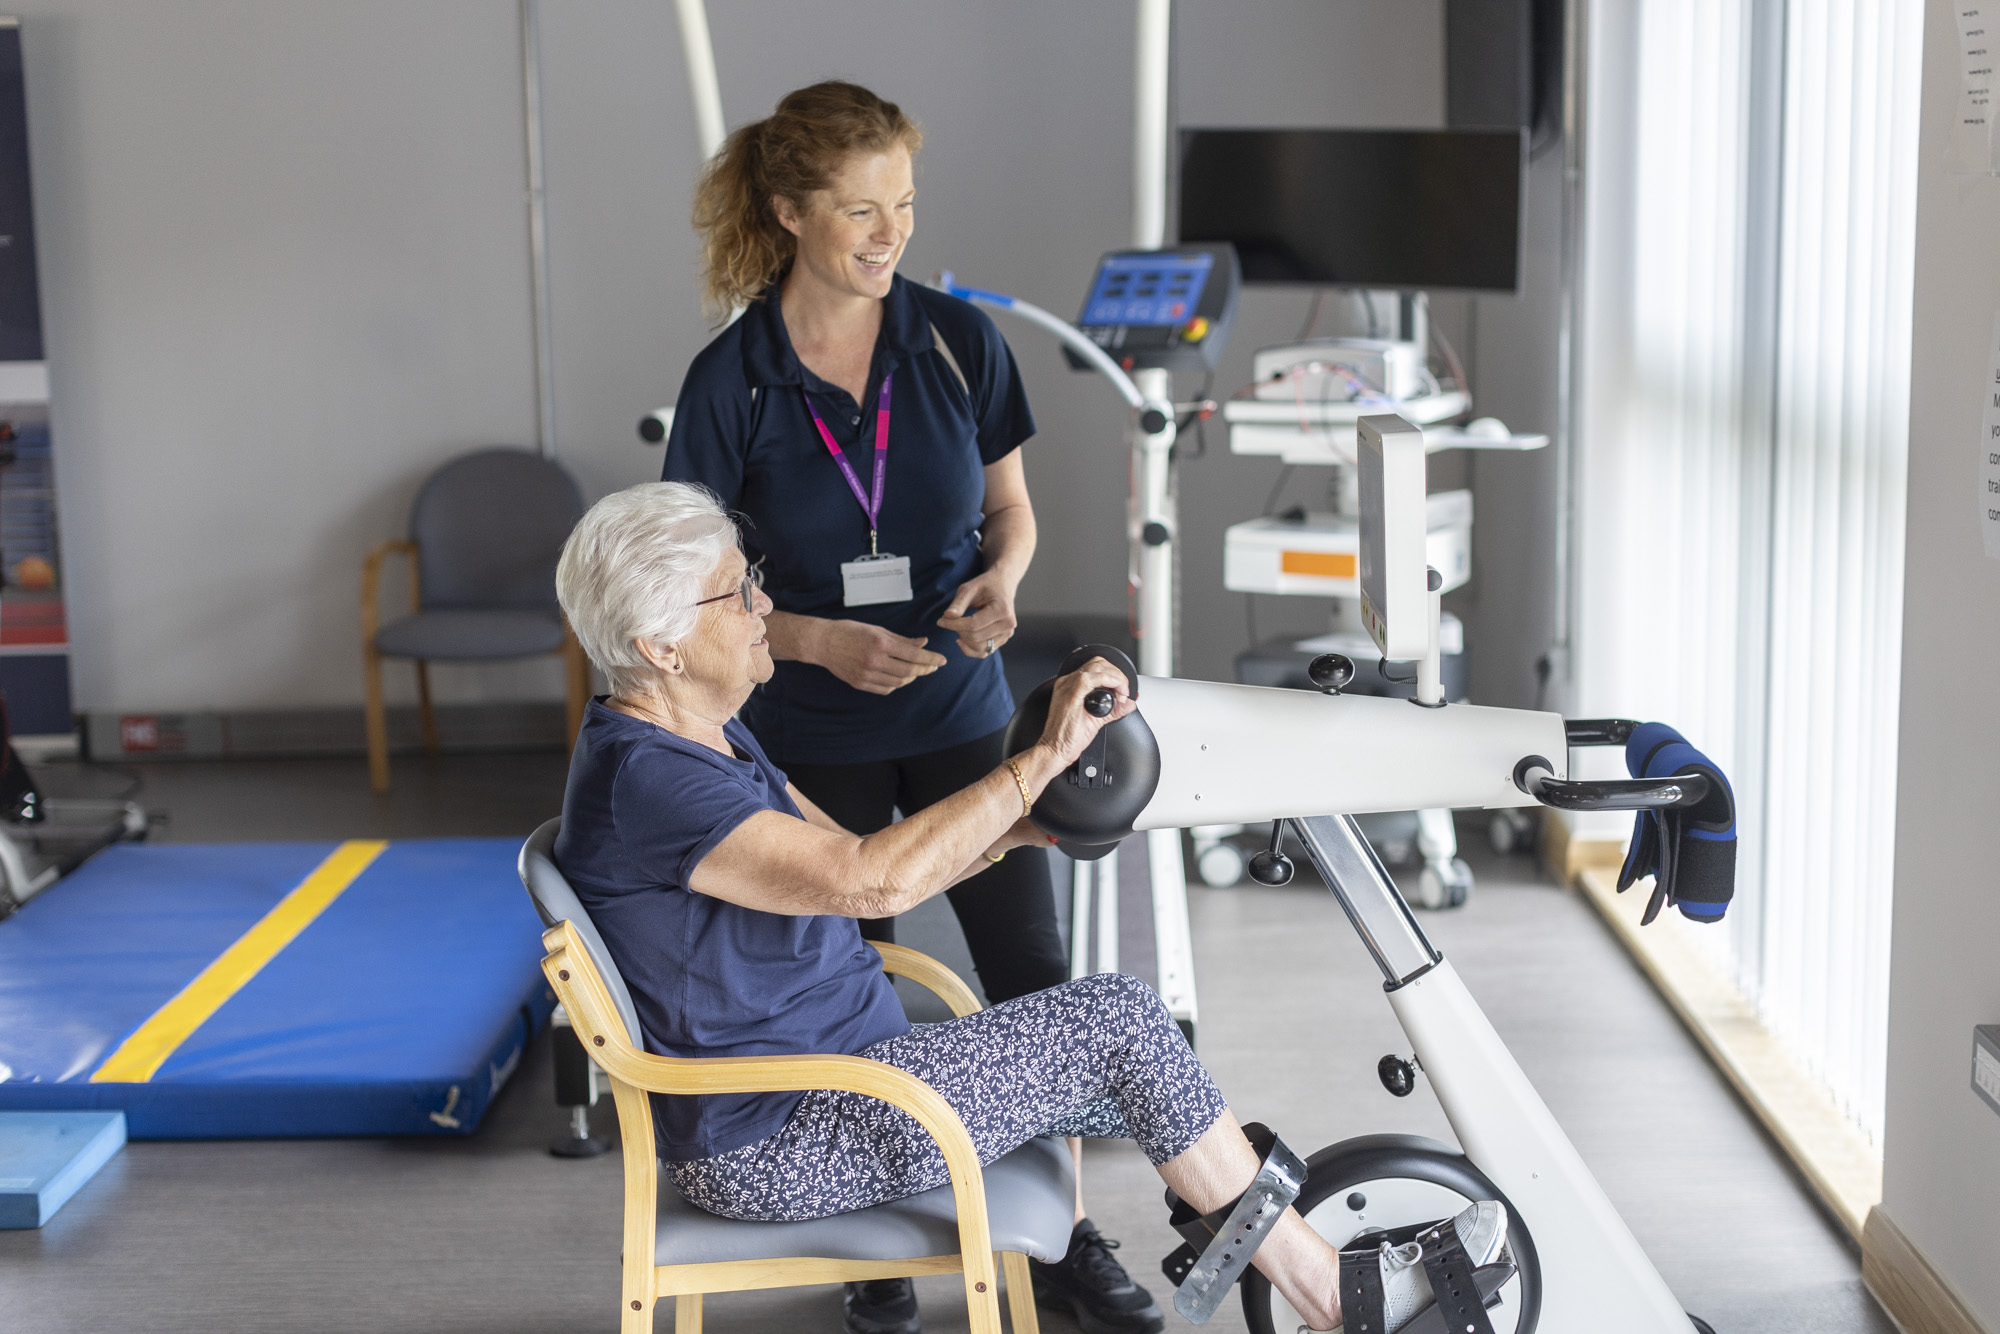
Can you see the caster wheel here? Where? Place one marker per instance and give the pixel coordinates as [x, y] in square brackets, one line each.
[1220, 865]
[1510, 831]
[1449, 888]
[571, 1147]
[1388, 1181]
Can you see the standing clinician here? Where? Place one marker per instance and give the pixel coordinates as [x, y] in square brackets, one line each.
[869, 431]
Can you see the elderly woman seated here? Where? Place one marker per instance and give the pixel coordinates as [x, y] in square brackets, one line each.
[729, 902]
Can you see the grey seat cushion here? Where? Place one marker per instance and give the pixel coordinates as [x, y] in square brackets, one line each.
[468, 636]
[1030, 1205]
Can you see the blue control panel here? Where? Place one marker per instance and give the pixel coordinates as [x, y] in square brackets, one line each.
[1159, 289]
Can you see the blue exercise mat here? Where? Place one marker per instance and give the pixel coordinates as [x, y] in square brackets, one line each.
[274, 990]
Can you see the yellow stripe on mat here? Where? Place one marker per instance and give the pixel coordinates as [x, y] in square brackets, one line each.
[142, 1054]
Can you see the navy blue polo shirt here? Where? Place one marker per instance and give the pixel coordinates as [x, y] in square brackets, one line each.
[742, 429]
[708, 978]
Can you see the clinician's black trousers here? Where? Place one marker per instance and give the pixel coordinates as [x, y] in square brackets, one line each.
[1008, 914]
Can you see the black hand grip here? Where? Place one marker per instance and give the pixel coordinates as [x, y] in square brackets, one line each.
[1533, 775]
[1100, 702]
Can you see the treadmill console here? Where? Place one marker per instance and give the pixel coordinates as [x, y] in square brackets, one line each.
[1162, 309]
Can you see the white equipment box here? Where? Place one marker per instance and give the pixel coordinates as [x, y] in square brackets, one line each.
[1340, 369]
[1395, 578]
[1320, 555]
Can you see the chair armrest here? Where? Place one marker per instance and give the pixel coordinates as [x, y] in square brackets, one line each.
[371, 585]
[583, 994]
[921, 968]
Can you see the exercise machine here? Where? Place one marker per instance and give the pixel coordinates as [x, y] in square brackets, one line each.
[1200, 752]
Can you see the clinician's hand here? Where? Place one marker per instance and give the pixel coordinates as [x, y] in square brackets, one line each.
[981, 610]
[870, 658]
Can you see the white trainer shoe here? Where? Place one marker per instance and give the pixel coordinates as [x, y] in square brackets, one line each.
[1406, 1286]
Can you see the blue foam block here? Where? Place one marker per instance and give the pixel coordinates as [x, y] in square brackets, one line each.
[45, 1157]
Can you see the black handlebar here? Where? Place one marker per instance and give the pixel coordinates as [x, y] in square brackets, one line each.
[1100, 702]
[1600, 731]
[1536, 777]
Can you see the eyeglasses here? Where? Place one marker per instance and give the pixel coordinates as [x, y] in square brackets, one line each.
[753, 579]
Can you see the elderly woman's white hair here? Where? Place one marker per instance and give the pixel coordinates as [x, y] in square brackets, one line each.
[634, 568]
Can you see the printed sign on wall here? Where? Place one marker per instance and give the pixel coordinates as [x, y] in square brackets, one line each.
[34, 629]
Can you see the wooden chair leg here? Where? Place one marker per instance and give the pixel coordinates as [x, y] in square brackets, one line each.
[377, 721]
[424, 705]
[1020, 1293]
[687, 1313]
[576, 674]
[982, 1292]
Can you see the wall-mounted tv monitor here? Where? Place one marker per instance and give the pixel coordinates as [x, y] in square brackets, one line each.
[1405, 209]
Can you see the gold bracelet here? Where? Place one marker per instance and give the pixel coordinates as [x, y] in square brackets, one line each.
[1027, 806]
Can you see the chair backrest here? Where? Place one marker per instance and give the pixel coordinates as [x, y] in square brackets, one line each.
[489, 526]
[557, 902]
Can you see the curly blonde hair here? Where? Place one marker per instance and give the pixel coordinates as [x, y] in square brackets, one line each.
[789, 154]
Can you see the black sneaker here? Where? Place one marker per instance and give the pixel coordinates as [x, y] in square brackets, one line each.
[881, 1306]
[1091, 1285]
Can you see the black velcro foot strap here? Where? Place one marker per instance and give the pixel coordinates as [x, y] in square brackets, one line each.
[1221, 1243]
[1460, 1304]
[1462, 1293]
[1361, 1290]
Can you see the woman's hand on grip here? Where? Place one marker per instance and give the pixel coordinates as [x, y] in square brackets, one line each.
[1070, 726]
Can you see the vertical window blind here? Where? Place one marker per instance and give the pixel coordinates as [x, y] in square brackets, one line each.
[1741, 429]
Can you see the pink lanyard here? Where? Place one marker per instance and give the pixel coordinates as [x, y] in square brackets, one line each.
[872, 507]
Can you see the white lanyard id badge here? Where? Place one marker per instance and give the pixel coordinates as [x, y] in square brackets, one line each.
[869, 580]
[877, 577]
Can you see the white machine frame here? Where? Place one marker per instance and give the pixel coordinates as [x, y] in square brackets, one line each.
[1230, 753]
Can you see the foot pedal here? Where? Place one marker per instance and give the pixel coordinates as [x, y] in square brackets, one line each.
[1220, 1244]
[1461, 1293]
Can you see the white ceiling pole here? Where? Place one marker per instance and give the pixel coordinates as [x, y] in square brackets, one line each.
[543, 332]
[703, 84]
[1149, 123]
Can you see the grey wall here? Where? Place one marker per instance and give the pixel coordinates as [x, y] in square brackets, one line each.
[282, 277]
[1941, 1151]
[285, 271]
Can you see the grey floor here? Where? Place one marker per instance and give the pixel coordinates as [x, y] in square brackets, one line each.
[492, 1234]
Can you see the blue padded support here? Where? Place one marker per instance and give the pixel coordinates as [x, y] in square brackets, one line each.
[1689, 851]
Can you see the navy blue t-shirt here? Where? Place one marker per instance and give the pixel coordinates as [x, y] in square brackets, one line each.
[708, 978]
[742, 429]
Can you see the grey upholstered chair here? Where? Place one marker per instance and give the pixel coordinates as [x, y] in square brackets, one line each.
[1019, 1206]
[485, 532]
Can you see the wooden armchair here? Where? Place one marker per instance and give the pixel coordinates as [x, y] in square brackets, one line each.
[1020, 1205]
[485, 532]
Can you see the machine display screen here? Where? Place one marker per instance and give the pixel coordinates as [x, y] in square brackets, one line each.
[1156, 289]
